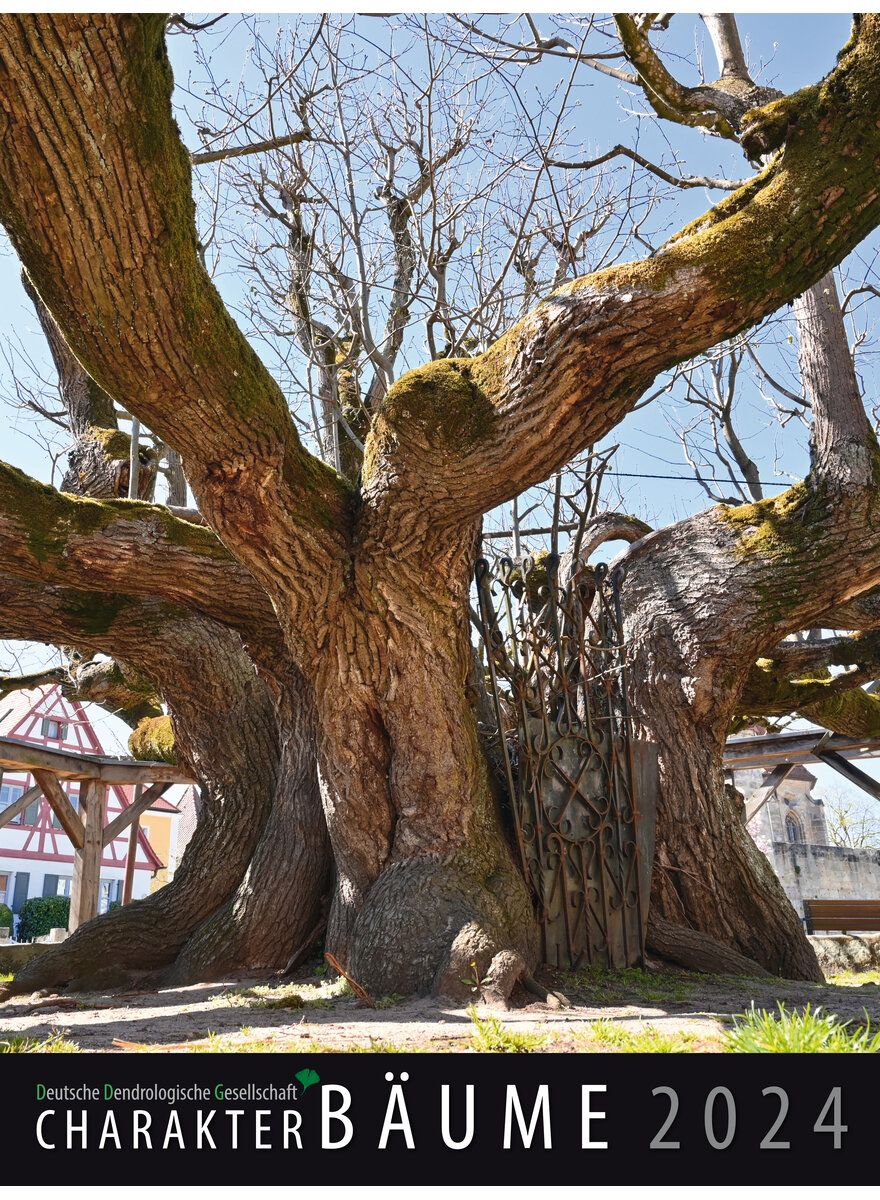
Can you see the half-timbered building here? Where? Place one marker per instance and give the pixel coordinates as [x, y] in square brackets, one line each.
[36, 855]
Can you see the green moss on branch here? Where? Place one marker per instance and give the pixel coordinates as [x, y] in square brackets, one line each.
[50, 519]
[443, 404]
[854, 714]
[153, 741]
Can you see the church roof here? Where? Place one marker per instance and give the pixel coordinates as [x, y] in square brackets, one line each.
[800, 772]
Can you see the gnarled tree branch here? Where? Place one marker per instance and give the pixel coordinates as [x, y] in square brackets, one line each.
[142, 549]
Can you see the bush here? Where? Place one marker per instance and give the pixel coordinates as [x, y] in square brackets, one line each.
[41, 914]
[6, 918]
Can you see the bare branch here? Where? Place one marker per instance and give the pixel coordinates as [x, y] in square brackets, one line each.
[277, 143]
[179, 21]
[681, 181]
[25, 683]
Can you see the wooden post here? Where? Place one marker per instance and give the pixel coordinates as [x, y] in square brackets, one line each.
[87, 858]
[134, 462]
[132, 850]
[68, 818]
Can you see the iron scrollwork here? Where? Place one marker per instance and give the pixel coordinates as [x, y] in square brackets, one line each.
[556, 667]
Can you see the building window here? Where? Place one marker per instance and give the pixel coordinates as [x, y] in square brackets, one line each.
[64, 885]
[793, 830]
[9, 793]
[56, 730]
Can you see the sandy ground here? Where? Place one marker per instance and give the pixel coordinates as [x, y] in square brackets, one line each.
[267, 1014]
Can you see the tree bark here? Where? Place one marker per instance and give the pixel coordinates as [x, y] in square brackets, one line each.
[427, 885]
[704, 600]
[246, 892]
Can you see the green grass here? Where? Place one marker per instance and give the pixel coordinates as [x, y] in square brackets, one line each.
[602, 985]
[248, 1041]
[56, 1043]
[5, 978]
[761, 1032]
[850, 979]
[648, 1040]
[389, 1001]
[375, 1046]
[490, 1036]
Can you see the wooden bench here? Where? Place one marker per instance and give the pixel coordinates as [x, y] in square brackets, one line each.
[849, 916]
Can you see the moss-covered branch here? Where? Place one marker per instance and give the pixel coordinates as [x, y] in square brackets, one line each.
[126, 545]
[115, 687]
[153, 740]
[669, 98]
[799, 658]
[770, 693]
[35, 679]
[838, 702]
[854, 713]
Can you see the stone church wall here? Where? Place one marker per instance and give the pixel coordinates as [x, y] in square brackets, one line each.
[810, 872]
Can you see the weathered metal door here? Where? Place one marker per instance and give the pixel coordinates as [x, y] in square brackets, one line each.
[583, 793]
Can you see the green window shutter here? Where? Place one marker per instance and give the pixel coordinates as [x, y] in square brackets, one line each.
[50, 885]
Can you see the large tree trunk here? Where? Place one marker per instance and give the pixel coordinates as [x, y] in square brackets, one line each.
[249, 888]
[708, 873]
[426, 882]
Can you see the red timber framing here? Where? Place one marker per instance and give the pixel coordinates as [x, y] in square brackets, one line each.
[85, 828]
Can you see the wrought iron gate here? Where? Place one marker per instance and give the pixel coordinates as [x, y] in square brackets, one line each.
[582, 791]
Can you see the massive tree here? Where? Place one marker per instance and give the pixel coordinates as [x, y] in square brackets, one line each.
[350, 594]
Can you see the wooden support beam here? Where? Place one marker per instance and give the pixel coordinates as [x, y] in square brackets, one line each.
[17, 806]
[743, 754]
[849, 771]
[21, 756]
[759, 798]
[139, 805]
[131, 857]
[61, 806]
[87, 858]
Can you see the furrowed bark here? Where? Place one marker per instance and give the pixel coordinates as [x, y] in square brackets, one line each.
[480, 430]
[272, 898]
[426, 882]
[722, 274]
[79, 542]
[115, 687]
[150, 327]
[226, 734]
[725, 588]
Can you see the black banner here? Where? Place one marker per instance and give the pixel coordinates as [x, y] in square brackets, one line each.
[440, 1119]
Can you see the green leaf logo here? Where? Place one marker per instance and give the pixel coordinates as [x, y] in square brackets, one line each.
[307, 1077]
